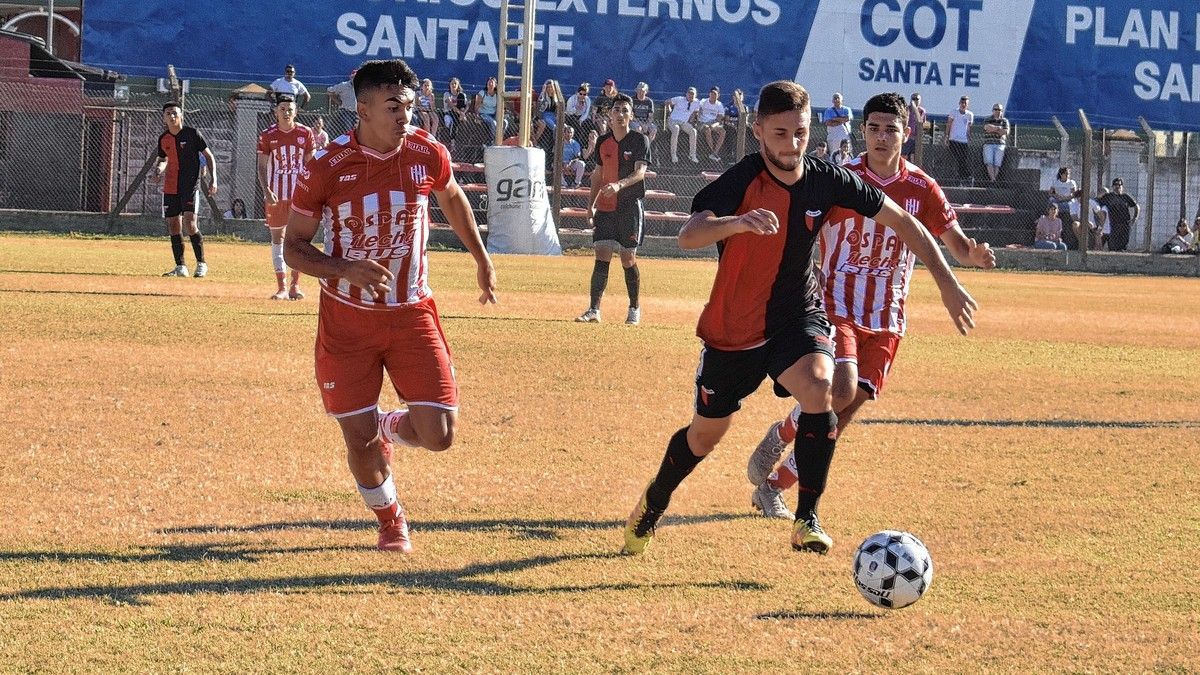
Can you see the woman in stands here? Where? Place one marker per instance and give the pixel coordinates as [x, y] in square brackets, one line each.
[425, 107]
[547, 110]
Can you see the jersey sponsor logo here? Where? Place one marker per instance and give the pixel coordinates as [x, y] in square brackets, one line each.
[401, 219]
[811, 218]
[878, 267]
[862, 239]
[417, 147]
[918, 181]
[363, 247]
[337, 159]
[348, 178]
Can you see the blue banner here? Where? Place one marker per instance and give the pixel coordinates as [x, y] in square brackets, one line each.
[1115, 59]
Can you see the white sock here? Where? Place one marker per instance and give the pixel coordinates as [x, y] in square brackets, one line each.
[277, 258]
[380, 497]
[388, 423]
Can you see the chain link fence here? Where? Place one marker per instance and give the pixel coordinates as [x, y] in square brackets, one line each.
[63, 150]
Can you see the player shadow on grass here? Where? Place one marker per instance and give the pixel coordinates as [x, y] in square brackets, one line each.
[476, 579]
[216, 552]
[522, 528]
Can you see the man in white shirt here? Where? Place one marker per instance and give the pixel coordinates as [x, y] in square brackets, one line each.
[712, 120]
[341, 96]
[837, 123]
[958, 135]
[288, 84]
[682, 109]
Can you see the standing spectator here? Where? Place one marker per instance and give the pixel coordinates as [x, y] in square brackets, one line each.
[579, 109]
[178, 169]
[547, 110]
[1181, 241]
[320, 136]
[958, 136]
[1122, 211]
[572, 158]
[916, 127]
[995, 139]
[377, 312]
[341, 97]
[283, 150]
[604, 102]
[618, 187]
[426, 107]
[1064, 193]
[837, 119]
[1048, 230]
[289, 85]
[455, 106]
[1099, 224]
[643, 112]
[842, 155]
[486, 103]
[712, 120]
[681, 113]
[821, 151]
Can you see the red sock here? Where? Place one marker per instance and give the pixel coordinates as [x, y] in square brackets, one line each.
[787, 432]
[785, 476]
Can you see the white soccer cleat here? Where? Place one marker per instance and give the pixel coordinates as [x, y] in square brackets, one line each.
[764, 458]
[177, 271]
[590, 316]
[201, 270]
[634, 317]
[769, 501]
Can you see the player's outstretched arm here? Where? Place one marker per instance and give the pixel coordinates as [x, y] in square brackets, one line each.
[967, 251]
[458, 212]
[705, 228]
[957, 300]
[300, 254]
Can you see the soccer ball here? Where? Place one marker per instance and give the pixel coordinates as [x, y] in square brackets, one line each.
[892, 569]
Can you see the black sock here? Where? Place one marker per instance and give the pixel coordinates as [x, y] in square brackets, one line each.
[677, 463]
[197, 246]
[177, 248]
[633, 284]
[816, 437]
[599, 281]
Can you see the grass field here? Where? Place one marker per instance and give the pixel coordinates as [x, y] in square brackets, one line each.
[174, 499]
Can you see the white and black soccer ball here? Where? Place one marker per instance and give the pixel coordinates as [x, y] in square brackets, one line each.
[892, 569]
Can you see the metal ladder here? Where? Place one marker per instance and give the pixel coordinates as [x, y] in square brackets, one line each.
[522, 55]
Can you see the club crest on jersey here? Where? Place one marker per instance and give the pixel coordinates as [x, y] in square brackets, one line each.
[300, 140]
[912, 205]
[627, 155]
[811, 218]
[418, 173]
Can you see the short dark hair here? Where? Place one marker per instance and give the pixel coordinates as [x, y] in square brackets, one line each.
[622, 98]
[781, 96]
[284, 98]
[172, 104]
[890, 103]
[375, 74]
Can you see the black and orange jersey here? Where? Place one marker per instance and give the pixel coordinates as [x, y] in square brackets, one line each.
[766, 282]
[616, 160]
[182, 152]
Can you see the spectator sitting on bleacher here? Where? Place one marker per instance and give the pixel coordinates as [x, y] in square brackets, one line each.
[455, 106]
[1181, 241]
[643, 112]
[843, 154]
[237, 210]
[821, 151]
[320, 136]
[486, 103]
[733, 111]
[1098, 225]
[601, 128]
[682, 114]
[427, 114]
[579, 109]
[547, 110]
[604, 102]
[712, 120]
[1048, 231]
[572, 158]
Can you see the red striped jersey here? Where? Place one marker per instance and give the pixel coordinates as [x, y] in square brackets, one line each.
[865, 267]
[375, 206]
[285, 151]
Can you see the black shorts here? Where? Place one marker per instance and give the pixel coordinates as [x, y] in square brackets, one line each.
[184, 202]
[724, 378]
[623, 226]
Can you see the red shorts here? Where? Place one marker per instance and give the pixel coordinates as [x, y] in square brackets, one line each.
[277, 213]
[873, 351]
[355, 346]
